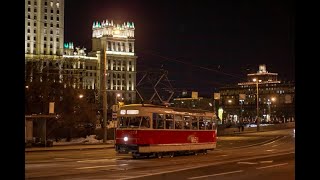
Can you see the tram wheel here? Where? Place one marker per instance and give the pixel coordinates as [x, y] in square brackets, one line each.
[159, 155]
[205, 152]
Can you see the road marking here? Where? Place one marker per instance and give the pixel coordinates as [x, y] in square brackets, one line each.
[272, 166]
[271, 150]
[219, 174]
[247, 163]
[210, 164]
[92, 167]
[59, 158]
[262, 162]
[222, 155]
[96, 160]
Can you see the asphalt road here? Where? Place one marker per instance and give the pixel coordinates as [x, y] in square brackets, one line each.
[248, 156]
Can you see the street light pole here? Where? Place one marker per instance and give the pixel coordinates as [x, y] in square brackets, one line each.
[104, 91]
[258, 120]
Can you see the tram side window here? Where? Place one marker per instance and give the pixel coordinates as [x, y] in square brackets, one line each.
[194, 123]
[201, 123]
[158, 121]
[208, 123]
[145, 122]
[187, 120]
[178, 122]
[169, 121]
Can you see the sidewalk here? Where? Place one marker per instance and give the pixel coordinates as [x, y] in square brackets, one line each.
[70, 147]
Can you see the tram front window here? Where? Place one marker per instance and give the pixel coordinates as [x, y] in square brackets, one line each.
[134, 122]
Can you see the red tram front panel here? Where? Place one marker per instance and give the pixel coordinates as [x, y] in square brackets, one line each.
[173, 140]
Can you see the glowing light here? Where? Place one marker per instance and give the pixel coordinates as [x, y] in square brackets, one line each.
[125, 138]
[132, 111]
[121, 53]
[119, 36]
[123, 111]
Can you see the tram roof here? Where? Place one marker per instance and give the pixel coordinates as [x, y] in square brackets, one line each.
[169, 107]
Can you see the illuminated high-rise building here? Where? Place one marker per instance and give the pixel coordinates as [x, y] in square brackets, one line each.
[118, 42]
[44, 27]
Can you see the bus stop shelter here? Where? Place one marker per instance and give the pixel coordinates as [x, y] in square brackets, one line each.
[41, 128]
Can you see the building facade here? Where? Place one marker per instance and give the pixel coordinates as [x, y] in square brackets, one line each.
[276, 99]
[77, 69]
[44, 26]
[117, 40]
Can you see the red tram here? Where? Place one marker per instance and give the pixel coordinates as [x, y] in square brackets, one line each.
[145, 130]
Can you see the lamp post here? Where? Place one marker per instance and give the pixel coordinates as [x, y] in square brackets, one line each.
[117, 96]
[273, 99]
[257, 97]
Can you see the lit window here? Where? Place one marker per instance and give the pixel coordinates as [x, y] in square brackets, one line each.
[57, 5]
[51, 3]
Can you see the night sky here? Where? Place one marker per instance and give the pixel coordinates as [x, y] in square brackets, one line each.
[203, 44]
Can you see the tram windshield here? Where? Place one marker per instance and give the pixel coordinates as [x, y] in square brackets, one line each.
[134, 122]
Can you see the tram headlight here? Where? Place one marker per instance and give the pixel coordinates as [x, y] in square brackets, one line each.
[125, 138]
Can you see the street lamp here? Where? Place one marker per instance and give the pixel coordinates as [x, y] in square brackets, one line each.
[81, 96]
[117, 96]
[273, 99]
[257, 97]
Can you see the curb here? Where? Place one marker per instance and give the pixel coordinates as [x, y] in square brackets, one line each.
[85, 147]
